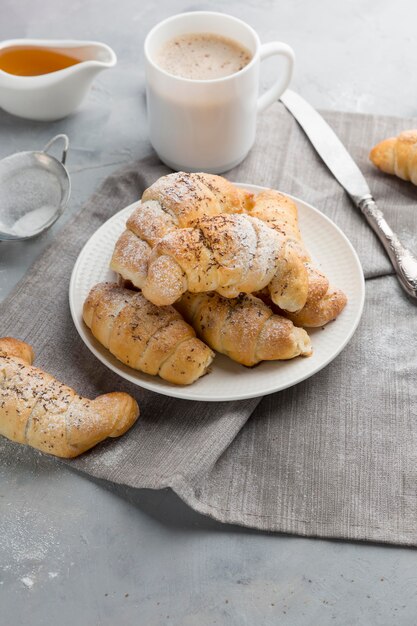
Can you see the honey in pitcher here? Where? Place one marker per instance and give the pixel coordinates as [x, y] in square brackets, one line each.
[34, 61]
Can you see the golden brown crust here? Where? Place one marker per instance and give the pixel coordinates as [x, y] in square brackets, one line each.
[289, 287]
[322, 303]
[318, 312]
[382, 155]
[243, 328]
[397, 155]
[17, 348]
[38, 410]
[318, 284]
[151, 339]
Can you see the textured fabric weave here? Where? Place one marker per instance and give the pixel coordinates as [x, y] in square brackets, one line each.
[336, 455]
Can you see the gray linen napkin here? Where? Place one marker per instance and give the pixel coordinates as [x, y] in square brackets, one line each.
[334, 456]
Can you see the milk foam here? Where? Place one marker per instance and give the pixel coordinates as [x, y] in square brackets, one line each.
[202, 56]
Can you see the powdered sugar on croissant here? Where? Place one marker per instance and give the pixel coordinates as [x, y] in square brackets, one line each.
[230, 254]
[174, 201]
[188, 234]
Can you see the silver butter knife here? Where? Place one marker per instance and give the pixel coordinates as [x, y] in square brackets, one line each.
[347, 173]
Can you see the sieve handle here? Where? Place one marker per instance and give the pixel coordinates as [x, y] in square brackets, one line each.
[65, 148]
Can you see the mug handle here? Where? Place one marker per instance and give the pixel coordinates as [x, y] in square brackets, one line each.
[273, 93]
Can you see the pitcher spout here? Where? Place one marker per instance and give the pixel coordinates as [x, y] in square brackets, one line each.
[95, 54]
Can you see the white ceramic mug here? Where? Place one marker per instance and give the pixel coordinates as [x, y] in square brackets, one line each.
[208, 125]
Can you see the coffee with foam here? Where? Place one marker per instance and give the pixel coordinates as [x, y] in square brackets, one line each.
[202, 56]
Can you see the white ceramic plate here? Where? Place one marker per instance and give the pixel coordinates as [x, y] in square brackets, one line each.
[228, 380]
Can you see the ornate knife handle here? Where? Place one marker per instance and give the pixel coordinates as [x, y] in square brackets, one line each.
[402, 259]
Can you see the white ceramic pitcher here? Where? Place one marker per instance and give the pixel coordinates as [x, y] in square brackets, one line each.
[54, 95]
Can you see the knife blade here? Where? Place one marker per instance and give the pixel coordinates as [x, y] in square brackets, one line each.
[347, 173]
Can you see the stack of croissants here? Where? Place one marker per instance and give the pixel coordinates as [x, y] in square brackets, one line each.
[206, 266]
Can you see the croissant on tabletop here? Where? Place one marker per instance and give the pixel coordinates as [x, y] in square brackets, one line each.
[38, 410]
[397, 155]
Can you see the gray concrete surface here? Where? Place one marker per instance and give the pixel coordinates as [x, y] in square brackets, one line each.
[74, 551]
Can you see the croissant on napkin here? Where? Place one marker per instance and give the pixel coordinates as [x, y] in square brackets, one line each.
[397, 155]
[38, 410]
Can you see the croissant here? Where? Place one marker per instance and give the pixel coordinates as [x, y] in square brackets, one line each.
[38, 410]
[230, 254]
[319, 311]
[323, 303]
[179, 200]
[188, 197]
[397, 155]
[174, 201]
[243, 328]
[147, 338]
